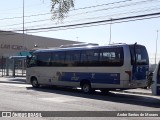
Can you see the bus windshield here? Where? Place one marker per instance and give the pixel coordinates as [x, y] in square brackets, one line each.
[139, 55]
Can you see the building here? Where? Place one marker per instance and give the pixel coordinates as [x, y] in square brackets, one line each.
[12, 43]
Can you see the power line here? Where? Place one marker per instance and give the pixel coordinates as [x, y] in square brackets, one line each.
[91, 24]
[115, 7]
[10, 18]
[92, 18]
[70, 10]
[98, 24]
[102, 5]
[88, 23]
[28, 6]
[77, 20]
[79, 13]
[41, 14]
[95, 22]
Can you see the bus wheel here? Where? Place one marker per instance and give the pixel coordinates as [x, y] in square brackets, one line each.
[34, 83]
[86, 87]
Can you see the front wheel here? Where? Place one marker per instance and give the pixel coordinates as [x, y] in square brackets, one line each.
[86, 87]
[34, 83]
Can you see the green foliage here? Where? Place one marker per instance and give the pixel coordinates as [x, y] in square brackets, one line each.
[60, 8]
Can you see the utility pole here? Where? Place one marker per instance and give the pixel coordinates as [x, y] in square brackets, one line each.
[23, 26]
[156, 48]
[110, 32]
[77, 38]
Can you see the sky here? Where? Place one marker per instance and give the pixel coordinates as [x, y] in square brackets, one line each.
[37, 15]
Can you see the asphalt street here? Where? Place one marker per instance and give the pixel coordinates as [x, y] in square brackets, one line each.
[18, 96]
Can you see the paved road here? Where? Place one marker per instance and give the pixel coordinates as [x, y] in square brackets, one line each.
[17, 96]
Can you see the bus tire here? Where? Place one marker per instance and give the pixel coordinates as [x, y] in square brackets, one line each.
[34, 82]
[86, 87]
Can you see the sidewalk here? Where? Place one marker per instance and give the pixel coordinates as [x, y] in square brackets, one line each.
[139, 91]
[16, 80]
[22, 80]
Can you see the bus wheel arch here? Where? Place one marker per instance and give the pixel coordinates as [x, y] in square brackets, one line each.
[86, 86]
[34, 82]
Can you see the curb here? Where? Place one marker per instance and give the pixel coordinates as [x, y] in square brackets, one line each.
[12, 80]
[133, 92]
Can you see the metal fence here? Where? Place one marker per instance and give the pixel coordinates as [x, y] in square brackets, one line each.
[12, 67]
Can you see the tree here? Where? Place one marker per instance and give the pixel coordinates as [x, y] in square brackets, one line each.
[60, 8]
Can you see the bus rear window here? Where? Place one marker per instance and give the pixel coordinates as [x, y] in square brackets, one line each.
[139, 55]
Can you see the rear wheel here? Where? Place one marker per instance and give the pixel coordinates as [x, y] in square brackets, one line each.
[86, 87]
[34, 83]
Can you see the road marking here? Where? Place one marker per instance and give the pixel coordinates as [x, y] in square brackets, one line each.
[140, 95]
[58, 99]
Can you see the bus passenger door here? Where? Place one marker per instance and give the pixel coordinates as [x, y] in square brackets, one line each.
[139, 61]
[158, 75]
[157, 82]
[139, 72]
[155, 87]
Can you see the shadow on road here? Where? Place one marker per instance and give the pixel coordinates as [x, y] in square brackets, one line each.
[17, 80]
[118, 97]
[14, 81]
[112, 96]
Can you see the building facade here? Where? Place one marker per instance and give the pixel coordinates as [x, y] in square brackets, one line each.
[12, 43]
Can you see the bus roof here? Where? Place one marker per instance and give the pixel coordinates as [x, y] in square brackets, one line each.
[83, 47]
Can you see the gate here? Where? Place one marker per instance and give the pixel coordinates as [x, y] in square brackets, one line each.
[13, 66]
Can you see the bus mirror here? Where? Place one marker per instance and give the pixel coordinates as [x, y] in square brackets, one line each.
[28, 60]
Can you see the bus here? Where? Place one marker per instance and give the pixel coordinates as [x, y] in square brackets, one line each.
[90, 67]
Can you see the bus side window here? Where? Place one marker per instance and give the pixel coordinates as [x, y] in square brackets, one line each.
[43, 59]
[72, 58]
[111, 57]
[58, 58]
[90, 57]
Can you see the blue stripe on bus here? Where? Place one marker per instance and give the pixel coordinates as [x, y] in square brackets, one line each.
[105, 78]
[139, 72]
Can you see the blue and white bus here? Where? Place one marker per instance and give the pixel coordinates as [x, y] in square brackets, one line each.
[116, 66]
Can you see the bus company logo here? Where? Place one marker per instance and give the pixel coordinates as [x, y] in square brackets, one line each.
[74, 77]
[93, 75]
[6, 114]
